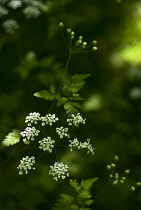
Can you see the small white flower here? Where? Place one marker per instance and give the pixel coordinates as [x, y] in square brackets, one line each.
[46, 144]
[29, 133]
[62, 132]
[49, 119]
[32, 118]
[26, 164]
[59, 170]
[76, 120]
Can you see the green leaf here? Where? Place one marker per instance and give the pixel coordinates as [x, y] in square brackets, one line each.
[75, 104]
[79, 98]
[52, 89]
[57, 96]
[12, 138]
[86, 184]
[65, 202]
[70, 109]
[44, 94]
[67, 198]
[61, 101]
[80, 77]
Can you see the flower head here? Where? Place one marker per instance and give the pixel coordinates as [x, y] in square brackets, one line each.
[3, 11]
[81, 145]
[59, 170]
[62, 132]
[26, 164]
[49, 119]
[31, 12]
[46, 144]
[14, 4]
[32, 118]
[76, 120]
[29, 133]
[10, 25]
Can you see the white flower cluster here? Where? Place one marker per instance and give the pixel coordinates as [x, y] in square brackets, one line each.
[10, 25]
[59, 170]
[29, 133]
[32, 118]
[49, 119]
[26, 164]
[81, 145]
[14, 4]
[76, 120]
[31, 12]
[3, 11]
[47, 144]
[62, 132]
[31, 9]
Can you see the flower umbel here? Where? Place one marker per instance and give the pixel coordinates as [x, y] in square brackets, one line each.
[32, 118]
[81, 145]
[49, 119]
[76, 120]
[26, 164]
[10, 25]
[14, 4]
[29, 133]
[62, 132]
[46, 144]
[59, 170]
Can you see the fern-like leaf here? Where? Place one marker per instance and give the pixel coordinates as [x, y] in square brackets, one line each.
[44, 94]
[52, 89]
[80, 77]
[65, 202]
[70, 109]
[12, 138]
[61, 101]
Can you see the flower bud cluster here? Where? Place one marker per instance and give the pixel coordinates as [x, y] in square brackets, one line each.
[29, 133]
[79, 41]
[70, 33]
[76, 120]
[62, 132]
[26, 164]
[59, 170]
[79, 44]
[133, 188]
[81, 145]
[46, 144]
[115, 177]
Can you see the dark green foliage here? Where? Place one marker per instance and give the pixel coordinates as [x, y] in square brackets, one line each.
[82, 198]
[67, 94]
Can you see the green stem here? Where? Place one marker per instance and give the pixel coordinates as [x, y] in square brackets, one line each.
[42, 130]
[66, 67]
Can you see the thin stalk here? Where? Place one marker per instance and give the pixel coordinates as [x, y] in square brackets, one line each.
[66, 67]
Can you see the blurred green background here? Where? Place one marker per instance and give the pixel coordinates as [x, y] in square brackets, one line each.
[33, 57]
